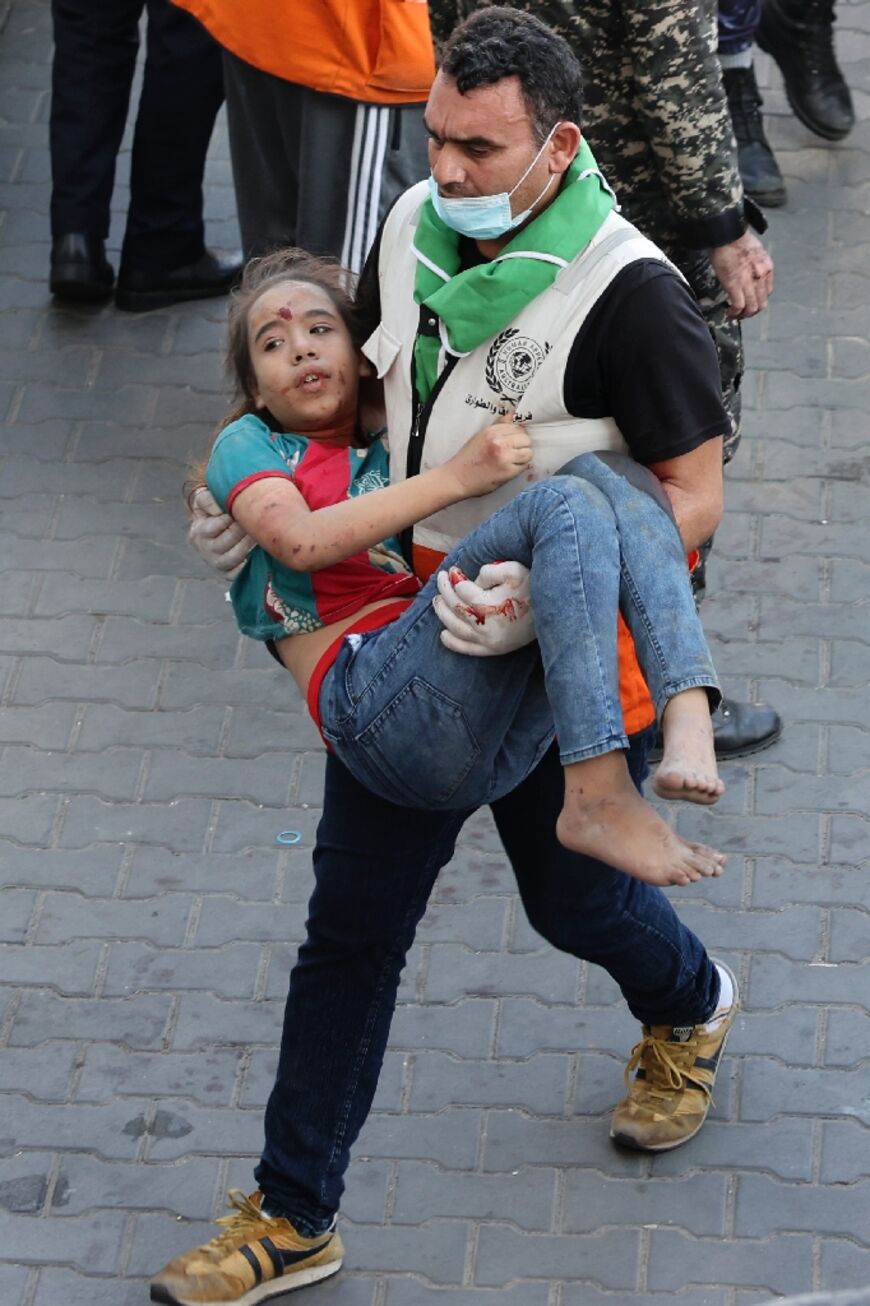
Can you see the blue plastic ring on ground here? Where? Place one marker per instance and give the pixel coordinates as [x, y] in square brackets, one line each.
[288, 837]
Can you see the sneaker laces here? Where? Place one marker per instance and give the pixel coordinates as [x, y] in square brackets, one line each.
[814, 36]
[666, 1066]
[247, 1217]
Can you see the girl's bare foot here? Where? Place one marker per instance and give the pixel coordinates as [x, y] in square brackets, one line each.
[688, 766]
[605, 817]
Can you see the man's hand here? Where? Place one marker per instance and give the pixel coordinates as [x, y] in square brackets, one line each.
[746, 271]
[489, 616]
[218, 540]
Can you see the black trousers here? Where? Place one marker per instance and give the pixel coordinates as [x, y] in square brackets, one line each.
[96, 43]
[316, 170]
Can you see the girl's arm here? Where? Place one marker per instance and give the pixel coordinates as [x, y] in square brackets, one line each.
[275, 514]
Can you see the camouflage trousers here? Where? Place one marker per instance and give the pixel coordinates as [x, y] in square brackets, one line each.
[728, 339]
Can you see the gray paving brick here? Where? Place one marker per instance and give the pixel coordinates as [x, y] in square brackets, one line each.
[87, 1184]
[72, 635]
[241, 825]
[411, 1292]
[136, 1022]
[108, 1130]
[252, 873]
[783, 1147]
[46, 727]
[43, 1073]
[207, 1021]
[257, 779]
[93, 1242]
[777, 882]
[794, 931]
[84, 1290]
[695, 1203]
[28, 819]
[753, 835]
[195, 731]
[527, 1026]
[224, 918]
[609, 1259]
[845, 1153]
[207, 646]
[844, 1264]
[187, 687]
[180, 824]
[16, 910]
[525, 1197]
[465, 1028]
[846, 1038]
[770, 1089]
[137, 967]
[586, 1295]
[158, 1238]
[792, 1039]
[205, 1077]
[850, 933]
[848, 839]
[113, 774]
[456, 972]
[539, 1084]
[781, 1263]
[765, 1207]
[449, 1138]
[68, 967]
[133, 685]
[480, 925]
[774, 978]
[94, 872]
[184, 1128]
[439, 1256]
[25, 1182]
[13, 1280]
[161, 920]
[62, 592]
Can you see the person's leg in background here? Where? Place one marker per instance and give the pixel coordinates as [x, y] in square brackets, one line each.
[762, 179]
[164, 258]
[799, 34]
[95, 48]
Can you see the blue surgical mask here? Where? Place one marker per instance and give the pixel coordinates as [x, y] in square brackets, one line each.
[486, 217]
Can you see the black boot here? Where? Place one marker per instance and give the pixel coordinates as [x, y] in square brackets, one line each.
[739, 730]
[79, 268]
[800, 36]
[762, 178]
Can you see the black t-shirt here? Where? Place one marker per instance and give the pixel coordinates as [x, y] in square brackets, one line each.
[644, 356]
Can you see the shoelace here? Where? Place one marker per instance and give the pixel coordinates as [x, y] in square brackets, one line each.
[665, 1064]
[246, 1217]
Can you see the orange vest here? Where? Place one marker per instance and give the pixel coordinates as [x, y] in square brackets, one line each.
[377, 51]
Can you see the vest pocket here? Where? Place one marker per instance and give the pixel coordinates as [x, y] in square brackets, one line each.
[405, 59]
[420, 745]
[381, 349]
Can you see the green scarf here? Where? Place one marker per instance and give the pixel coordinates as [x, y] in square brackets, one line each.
[476, 304]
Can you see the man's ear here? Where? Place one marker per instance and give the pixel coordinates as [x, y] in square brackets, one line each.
[564, 146]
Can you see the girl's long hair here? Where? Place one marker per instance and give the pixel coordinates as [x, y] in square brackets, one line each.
[260, 274]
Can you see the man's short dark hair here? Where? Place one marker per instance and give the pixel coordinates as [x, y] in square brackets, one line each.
[499, 42]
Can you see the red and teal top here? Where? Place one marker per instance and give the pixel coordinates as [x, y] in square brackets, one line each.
[270, 600]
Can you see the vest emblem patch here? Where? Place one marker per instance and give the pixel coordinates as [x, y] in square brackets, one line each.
[512, 362]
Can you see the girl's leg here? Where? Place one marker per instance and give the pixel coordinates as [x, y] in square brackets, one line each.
[430, 728]
[656, 601]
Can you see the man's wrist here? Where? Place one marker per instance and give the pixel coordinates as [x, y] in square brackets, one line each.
[724, 228]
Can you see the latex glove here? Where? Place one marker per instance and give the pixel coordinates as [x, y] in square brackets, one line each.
[487, 616]
[218, 540]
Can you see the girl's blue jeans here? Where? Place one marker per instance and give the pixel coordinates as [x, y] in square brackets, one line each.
[375, 863]
[427, 727]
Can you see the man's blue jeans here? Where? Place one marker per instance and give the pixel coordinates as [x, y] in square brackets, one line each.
[422, 725]
[375, 864]
[738, 22]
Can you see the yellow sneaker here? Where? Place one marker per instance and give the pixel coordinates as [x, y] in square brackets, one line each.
[256, 1257]
[672, 1092]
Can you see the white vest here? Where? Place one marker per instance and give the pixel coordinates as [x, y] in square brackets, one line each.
[523, 365]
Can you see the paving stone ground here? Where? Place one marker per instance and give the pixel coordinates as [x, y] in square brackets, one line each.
[149, 758]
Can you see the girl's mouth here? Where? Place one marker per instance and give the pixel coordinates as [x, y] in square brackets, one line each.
[313, 379]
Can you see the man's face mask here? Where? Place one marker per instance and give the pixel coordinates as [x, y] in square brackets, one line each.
[486, 217]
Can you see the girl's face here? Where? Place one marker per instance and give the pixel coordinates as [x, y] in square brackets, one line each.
[306, 368]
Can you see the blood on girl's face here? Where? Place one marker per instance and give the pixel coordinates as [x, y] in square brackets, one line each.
[305, 364]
